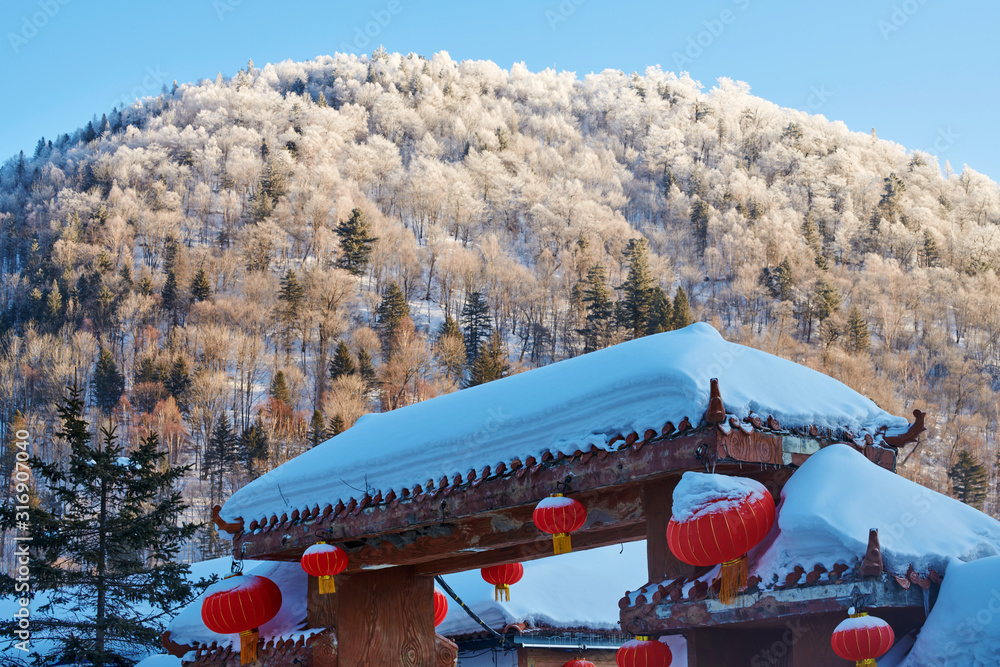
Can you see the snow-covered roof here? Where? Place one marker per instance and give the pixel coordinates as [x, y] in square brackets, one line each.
[829, 505]
[567, 406]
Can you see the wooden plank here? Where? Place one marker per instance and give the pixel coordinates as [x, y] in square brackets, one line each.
[658, 501]
[386, 617]
[321, 610]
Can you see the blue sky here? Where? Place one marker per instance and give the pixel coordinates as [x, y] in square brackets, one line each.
[924, 73]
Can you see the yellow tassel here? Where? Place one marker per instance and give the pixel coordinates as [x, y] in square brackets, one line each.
[870, 662]
[248, 645]
[733, 579]
[326, 585]
[501, 592]
[561, 543]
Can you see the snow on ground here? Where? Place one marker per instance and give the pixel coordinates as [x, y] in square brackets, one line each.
[562, 407]
[578, 589]
[188, 628]
[831, 502]
[162, 660]
[963, 629]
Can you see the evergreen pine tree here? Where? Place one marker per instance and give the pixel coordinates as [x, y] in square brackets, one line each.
[810, 232]
[342, 363]
[930, 256]
[390, 312]
[367, 369]
[107, 557]
[201, 289]
[317, 429]
[661, 312]
[782, 281]
[178, 381]
[858, 339]
[108, 382]
[968, 479]
[169, 296]
[336, 426]
[321, 100]
[254, 449]
[699, 220]
[637, 289]
[145, 285]
[491, 364]
[827, 300]
[682, 316]
[54, 306]
[279, 389]
[292, 295]
[356, 242]
[220, 456]
[475, 323]
[596, 298]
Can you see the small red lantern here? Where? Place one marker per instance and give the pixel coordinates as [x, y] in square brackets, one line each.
[579, 663]
[643, 652]
[440, 607]
[726, 523]
[324, 561]
[241, 604]
[560, 516]
[503, 577]
[862, 638]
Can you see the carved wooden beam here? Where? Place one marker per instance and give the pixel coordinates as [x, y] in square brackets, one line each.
[872, 565]
[172, 647]
[231, 527]
[912, 433]
[716, 413]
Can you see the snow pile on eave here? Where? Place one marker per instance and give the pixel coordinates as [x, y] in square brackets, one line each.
[562, 407]
[575, 590]
[831, 502]
[701, 493]
[963, 629]
[188, 628]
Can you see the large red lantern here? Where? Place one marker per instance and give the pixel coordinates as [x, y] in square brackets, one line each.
[579, 663]
[503, 577]
[644, 652]
[324, 561]
[718, 519]
[440, 607]
[560, 516]
[862, 638]
[241, 604]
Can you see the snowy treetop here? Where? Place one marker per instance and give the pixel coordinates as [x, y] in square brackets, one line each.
[563, 407]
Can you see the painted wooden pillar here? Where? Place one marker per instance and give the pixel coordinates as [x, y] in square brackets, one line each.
[386, 618]
[658, 502]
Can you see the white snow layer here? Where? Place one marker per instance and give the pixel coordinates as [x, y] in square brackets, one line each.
[701, 493]
[963, 629]
[580, 589]
[830, 503]
[162, 660]
[188, 628]
[562, 407]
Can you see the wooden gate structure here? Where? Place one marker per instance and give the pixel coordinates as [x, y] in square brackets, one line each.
[398, 540]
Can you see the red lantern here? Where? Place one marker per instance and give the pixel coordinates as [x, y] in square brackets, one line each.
[241, 604]
[324, 561]
[503, 577]
[643, 652]
[862, 638]
[722, 528]
[440, 607]
[560, 516]
[579, 663]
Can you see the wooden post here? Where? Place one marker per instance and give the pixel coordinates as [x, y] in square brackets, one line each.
[386, 618]
[658, 502]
